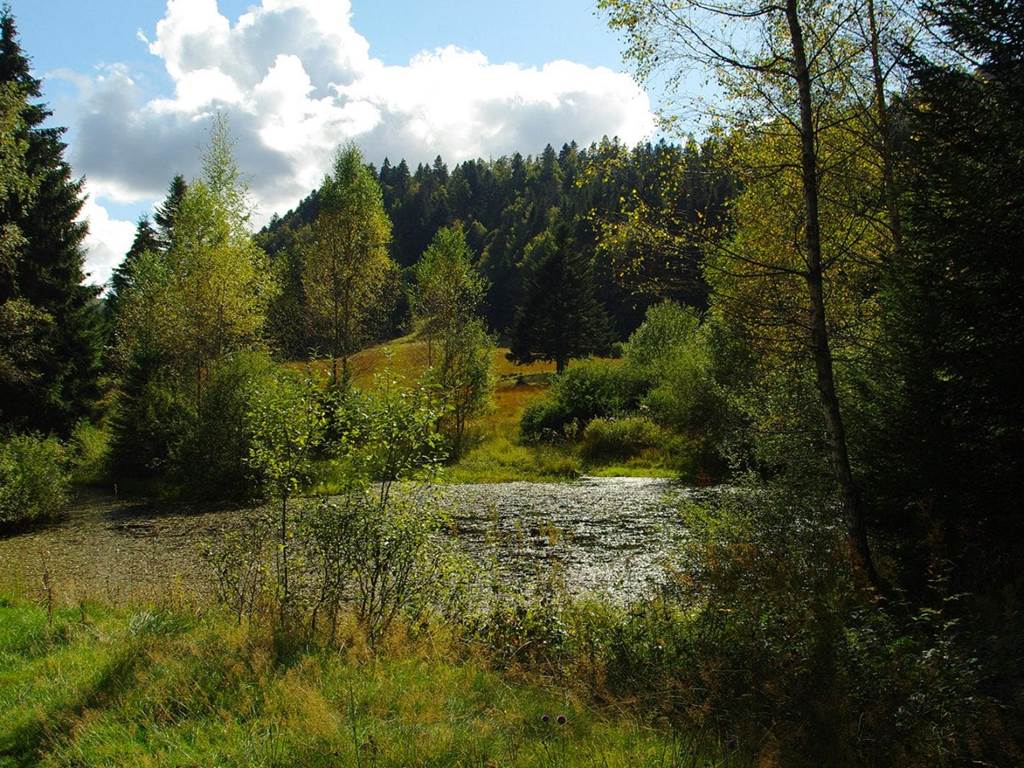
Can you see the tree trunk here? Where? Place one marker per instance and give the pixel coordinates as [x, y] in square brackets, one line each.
[337, 334]
[860, 553]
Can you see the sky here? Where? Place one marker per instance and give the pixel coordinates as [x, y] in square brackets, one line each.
[137, 81]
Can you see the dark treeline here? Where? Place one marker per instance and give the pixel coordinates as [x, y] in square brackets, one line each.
[526, 218]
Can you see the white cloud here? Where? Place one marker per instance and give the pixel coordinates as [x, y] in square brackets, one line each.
[107, 242]
[296, 80]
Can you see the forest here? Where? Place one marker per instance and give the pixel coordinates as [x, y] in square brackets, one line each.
[305, 493]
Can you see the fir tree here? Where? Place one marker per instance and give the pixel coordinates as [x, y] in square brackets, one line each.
[146, 239]
[165, 214]
[559, 318]
[48, 273]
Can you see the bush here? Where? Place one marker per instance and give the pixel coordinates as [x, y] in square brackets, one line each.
[209, 457]
[666, 326]
[33, 479]
[762, 634]
[588, 390]
[90, 448]
[621, 439]
[148, 418]
[372, 547]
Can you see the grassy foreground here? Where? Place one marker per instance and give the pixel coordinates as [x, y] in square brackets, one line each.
[91, 686]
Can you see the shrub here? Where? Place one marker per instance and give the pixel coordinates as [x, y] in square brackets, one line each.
[285, 425]
[376, 549]
[33, 479]
[544, 420]
[90, 449]
[588, 390]
[620, 439]
[665, 327]
[148, 418]
[761, 633]
[209, 456]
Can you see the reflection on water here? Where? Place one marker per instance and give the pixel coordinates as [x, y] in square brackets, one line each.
[603, 533]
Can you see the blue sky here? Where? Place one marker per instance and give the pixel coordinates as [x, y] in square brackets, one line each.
[136, 83]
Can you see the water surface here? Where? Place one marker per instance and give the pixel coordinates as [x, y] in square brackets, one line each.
[598, 533]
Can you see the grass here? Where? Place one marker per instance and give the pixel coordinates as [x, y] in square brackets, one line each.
[172, 687]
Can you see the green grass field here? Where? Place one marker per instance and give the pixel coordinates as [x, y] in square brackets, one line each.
[94, 686]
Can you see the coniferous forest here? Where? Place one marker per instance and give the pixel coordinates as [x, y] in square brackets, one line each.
[707, 450]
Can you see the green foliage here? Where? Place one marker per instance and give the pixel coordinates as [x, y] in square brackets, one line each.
[588, 390]
[367, 544]
[761, 632]
[666, 326]
[49, 320]
[208, 456]
[148, 417]
[464, 379]
[206, 295]
[14, 180]
[681, 359]
[26, 342]
[345, 259]
[686, 396]
[448, 289]
[391, 432]
[90, 454]
[286, 422]
[379, 550]
[146, 239]
[620, 439]
[33, 479]
[448, 294]
[942, 425]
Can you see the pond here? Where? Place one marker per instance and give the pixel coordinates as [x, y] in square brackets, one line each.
[599, 533]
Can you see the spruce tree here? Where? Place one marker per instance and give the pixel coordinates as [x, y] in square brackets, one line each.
[48, 273]
[948, 385]
[559, 318]
[146, 239]
[165, 214]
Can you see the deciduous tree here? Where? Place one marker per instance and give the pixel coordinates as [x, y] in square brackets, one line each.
[346, 258]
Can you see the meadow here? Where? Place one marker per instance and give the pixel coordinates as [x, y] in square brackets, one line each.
[173, 685]
[496, 452]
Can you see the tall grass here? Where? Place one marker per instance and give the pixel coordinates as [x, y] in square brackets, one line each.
[171, 686]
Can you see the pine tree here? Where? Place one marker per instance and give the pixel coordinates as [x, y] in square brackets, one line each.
[48, 273]
[146, 239]
[559, 318]
[165, 214]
